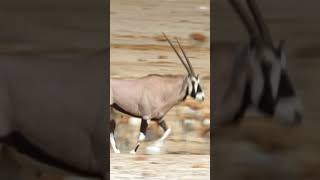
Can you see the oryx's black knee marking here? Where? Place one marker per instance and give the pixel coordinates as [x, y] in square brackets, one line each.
[144, 126]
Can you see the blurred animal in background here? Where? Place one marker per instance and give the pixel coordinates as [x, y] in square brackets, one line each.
[259, 78]
[51, 119]
[152, 96]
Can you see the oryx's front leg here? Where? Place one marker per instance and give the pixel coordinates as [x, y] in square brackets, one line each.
[165, 128]
[142, 135]
[155, 147]
[112, 139]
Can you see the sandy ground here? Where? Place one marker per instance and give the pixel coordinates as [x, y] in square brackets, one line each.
[151, 167]
[137, 49]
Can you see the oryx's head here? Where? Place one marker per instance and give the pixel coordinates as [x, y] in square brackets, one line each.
[194, 87]
[271, 90]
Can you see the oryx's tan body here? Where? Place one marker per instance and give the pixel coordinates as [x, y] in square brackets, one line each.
[151, 96]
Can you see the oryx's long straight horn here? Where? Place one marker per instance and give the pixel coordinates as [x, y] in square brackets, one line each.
[246, 20]
[184, 64]
[187, 59]
[264, 30]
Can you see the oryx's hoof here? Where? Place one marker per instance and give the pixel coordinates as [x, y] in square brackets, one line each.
[132, 152]
[117, 151]
[158, 143]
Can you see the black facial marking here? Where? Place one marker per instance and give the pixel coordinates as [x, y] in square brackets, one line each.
[24, 146]
[267, 102]
[199, 90]
[285, 86]
[193, 92]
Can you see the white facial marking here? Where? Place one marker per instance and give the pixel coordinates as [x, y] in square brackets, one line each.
[286, 108]
[195, 86]
[196, 83]
[199, 96]
[283, 60]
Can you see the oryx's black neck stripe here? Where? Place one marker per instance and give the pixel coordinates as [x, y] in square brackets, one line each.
[266, 102]
[186, 95]
[24, 146]
[245, 102]
[285, 86]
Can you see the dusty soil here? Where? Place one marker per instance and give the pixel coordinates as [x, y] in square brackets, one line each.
[160, 167]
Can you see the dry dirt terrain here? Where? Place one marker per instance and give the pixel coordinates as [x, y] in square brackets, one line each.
[138, 49]
[160, 167]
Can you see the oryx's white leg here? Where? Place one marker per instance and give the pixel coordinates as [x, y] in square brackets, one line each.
[112, 140]
[155, 148]
[166, 130]
[142, 134]
[165, 135]
[113, 143]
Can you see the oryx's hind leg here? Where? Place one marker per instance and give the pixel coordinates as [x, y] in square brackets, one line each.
[112, 139]
[142, 134]
[162, 123]
[155, 148]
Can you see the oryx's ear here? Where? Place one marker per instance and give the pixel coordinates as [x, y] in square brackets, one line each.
[197, 76]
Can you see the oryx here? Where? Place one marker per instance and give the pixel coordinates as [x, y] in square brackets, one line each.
[53, 116]
[258, 77]
[152, 96]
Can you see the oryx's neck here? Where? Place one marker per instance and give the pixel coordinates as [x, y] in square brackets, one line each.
[236, 94]
[180, 89]
[174, 88]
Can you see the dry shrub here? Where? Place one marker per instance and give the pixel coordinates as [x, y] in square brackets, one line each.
[198, 37]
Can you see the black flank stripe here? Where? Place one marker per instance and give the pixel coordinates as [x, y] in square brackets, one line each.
[24, 146]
